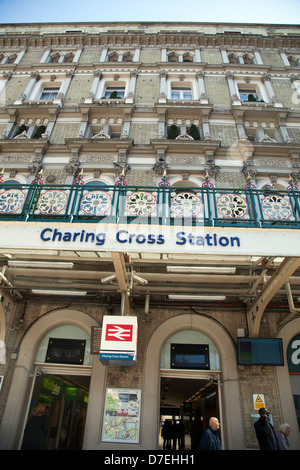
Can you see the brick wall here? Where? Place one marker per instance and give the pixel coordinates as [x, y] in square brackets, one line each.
[147, 89]
[64, 130]
[15, 87]
[211, 56]
[141, 133]
[217, 90]
[79, 89]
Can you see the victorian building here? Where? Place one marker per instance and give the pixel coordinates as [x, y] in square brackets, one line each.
[149, 231]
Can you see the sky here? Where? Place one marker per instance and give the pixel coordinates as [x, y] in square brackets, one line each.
[214, 11]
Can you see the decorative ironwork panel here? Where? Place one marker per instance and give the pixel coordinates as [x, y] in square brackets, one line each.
[276, 207]
[232, 206]
[12, 201]
[141, 204]
[186, 204]
[52, 202]
[95, 203]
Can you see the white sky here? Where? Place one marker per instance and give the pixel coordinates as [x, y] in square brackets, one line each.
[214, 11]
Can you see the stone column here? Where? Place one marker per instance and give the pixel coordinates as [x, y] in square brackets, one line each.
[63, 89]
[163, 87]
[266, 78]
[232, 88]
[131, 87]
[202, 92]
[28, 90]
[94, 87]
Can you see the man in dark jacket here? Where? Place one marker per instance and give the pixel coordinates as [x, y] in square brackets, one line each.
[265, 432]
[210, 438]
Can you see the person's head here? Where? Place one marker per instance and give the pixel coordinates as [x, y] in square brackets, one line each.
[264, 414]
[39, 410]
[285, 428]
[214, 423]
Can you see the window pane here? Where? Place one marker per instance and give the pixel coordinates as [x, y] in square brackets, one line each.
[175, 95]
[114, 92]
[181, 93]
[244, 95]
[187, 95]
[49, 93]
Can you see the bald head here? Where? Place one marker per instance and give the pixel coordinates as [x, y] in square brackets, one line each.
[214, 423]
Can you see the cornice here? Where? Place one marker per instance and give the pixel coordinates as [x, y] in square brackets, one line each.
[142, 38]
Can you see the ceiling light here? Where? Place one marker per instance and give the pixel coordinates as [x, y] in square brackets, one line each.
[40, 264]
[201, 269]
[195, 297]
[59, 292]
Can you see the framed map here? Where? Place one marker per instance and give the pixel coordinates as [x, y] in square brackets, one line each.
[122, 411]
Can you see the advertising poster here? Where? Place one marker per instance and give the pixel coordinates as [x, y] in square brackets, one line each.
[121, 421]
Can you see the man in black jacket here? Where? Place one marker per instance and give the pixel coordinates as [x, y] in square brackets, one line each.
[265, 432]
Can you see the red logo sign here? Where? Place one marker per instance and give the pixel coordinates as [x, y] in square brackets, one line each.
[118, 332]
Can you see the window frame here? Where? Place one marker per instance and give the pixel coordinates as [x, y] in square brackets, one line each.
[120, 90]
[51, 98]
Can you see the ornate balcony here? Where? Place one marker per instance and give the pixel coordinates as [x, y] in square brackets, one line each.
[162, 205]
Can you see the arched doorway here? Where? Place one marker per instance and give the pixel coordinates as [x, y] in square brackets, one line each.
[287, 388]
[189, 389]
[25, 371]
[61, 383]
[231, 414]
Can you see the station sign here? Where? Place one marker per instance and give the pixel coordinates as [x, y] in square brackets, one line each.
[150, 238]
[118, 340]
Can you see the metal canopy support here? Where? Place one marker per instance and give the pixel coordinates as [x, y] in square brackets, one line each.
[120, 270]
[279, 278]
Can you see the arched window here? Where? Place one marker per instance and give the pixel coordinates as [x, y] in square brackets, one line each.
[96, 184]
[188, 338]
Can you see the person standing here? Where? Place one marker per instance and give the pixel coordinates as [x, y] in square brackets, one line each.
[210, 439]
[265, 432]
[35, 432]
[282, 437]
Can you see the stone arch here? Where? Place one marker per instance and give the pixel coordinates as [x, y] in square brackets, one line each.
[285, 395]
[15, 409]
[192, 181]
[2, 335]
[232, 413]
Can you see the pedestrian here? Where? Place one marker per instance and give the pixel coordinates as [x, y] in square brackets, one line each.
[35, 432]
[282, 437]
[166, 434]
[265, 432]
[180, 430]
[210, 439]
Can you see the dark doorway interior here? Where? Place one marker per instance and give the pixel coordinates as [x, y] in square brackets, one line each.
[187, 403]
[66, 400]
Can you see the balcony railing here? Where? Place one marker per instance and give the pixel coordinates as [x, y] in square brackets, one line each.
[161, 205]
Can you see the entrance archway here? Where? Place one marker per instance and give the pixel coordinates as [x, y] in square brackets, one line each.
[21, 387]
[231, 416]
[285, 391]
[189, 389]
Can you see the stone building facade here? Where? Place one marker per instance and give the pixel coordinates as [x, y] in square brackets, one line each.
[180, 145]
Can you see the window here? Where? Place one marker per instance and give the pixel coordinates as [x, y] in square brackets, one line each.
[128, 57]
[49, 93]
[173, 57]
[294, 60]
[113, 57]
[248, 94]
[114, 92]
[241, 58]
[181, 93]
